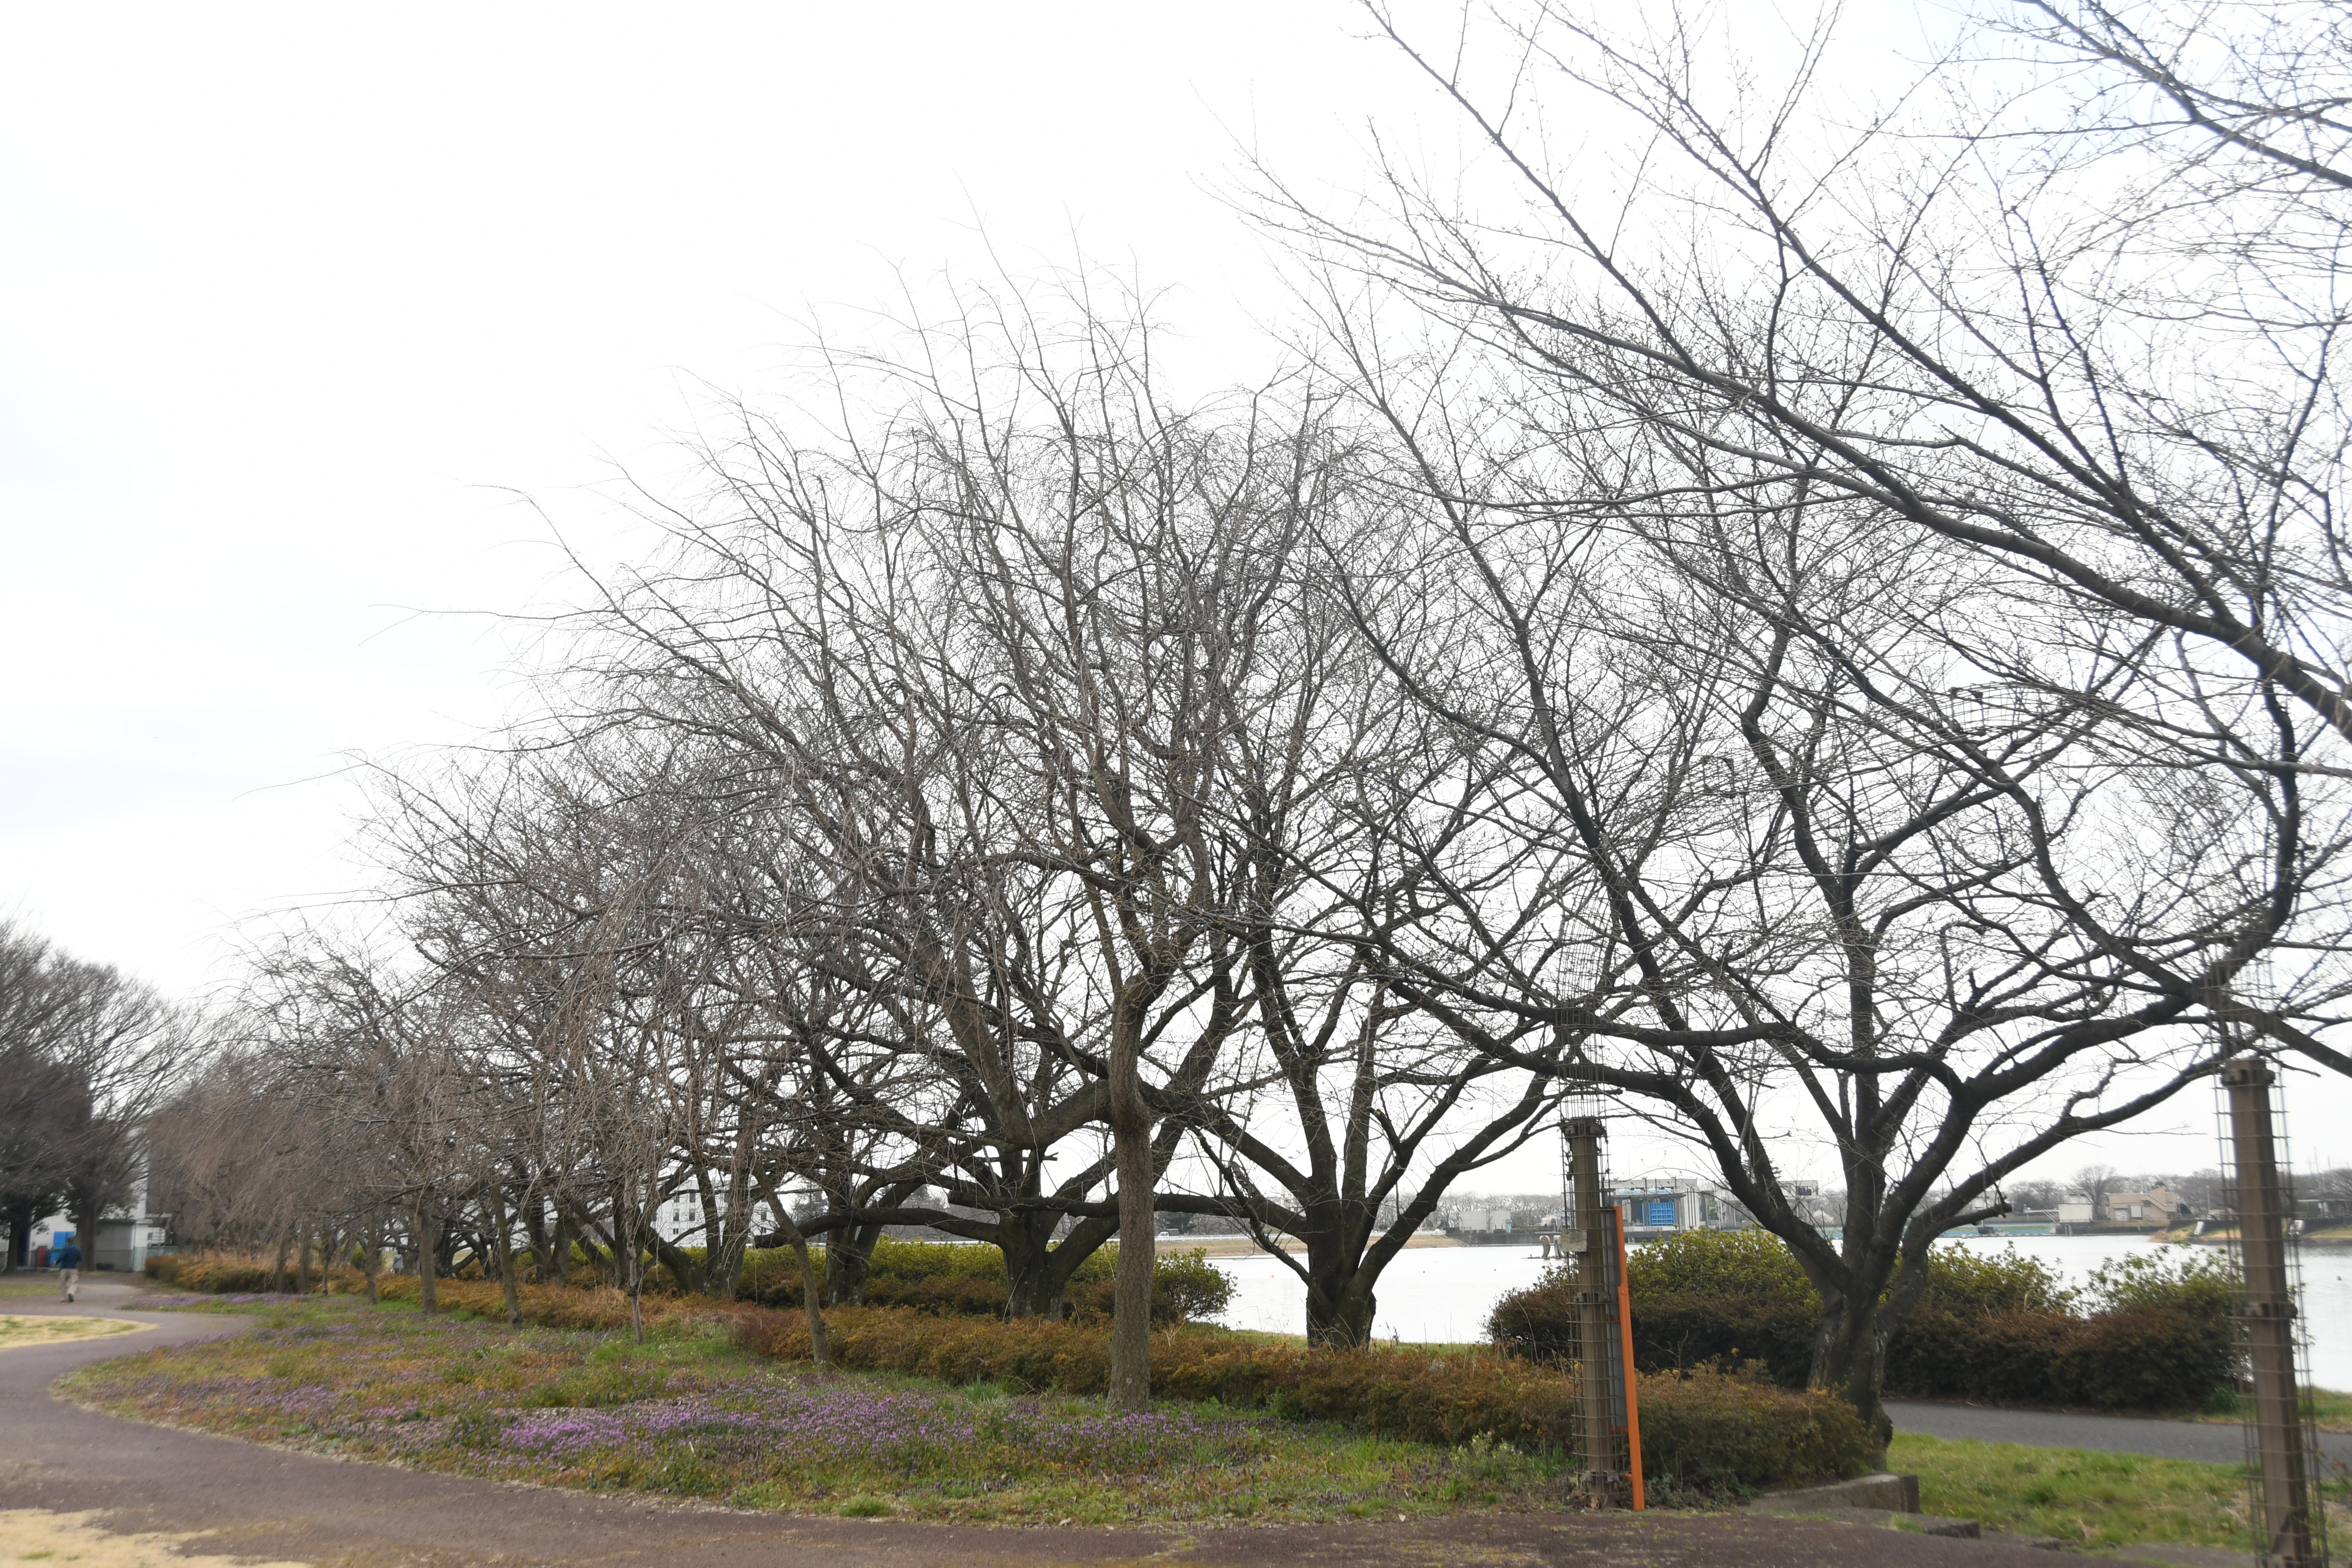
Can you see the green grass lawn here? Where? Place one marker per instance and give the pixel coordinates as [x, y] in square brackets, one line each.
[44, 1329]
[2085, 1499]
[688, 1413]
[2330, 1409]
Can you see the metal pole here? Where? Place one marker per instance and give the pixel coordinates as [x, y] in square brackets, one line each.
[2266, 1312]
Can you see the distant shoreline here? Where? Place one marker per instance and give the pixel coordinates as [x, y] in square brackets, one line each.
[1242, 1246]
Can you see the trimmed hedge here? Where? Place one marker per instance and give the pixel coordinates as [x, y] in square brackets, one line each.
[946, 1278]
[1699, 1428]
[2149, 1333]
[965, 1280]
[216, 1273]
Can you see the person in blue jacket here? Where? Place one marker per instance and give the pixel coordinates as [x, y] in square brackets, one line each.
[67, 1259]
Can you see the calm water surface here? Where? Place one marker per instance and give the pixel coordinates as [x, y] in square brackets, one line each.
[1443, 1293]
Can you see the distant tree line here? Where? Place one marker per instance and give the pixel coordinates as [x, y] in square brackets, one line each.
[86, 1054]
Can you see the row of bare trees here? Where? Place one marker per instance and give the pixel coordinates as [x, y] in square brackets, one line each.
[965, 822]
[1828, 635]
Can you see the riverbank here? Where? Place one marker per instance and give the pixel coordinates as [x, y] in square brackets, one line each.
[2189, 1236]
[1216, 1246]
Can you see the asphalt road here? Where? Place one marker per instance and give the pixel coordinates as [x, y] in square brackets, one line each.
[2214, 1443]
[256, 1501]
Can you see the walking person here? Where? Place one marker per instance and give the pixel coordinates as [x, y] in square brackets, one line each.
[68, 1261]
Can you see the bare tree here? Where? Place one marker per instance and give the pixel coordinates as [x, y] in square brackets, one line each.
[2024, 390]
[2094, 1182]
[1859, 566]
[86, 1057]
[993, 641]
[1783, 810]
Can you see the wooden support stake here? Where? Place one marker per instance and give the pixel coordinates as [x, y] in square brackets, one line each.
[1632, 1402]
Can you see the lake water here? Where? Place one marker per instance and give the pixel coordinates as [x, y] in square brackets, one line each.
[1442, 1294]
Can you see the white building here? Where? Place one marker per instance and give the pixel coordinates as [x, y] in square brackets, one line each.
[124, 1237]
[1655, 1207]
[681, 1218]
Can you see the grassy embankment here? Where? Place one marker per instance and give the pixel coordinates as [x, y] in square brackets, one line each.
[689, 1414]
[2090, 1500]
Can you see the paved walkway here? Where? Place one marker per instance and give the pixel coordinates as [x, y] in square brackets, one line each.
[2213, 1442]
[254, 1501]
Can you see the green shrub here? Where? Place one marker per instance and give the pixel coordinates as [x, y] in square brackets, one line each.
[1538, 1323]
[1722, 1297]
[2150, 1358]
[2147, 1333]
[952, 1278]
[1968, 1283]
[1771, 1335]
[2004, 1357]
[1703, 1429]
[2198, 1284]
[1716, 1263]
[1726, 1298]
[946, 1278]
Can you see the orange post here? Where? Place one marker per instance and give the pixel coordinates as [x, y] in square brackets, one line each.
[1625, 1335]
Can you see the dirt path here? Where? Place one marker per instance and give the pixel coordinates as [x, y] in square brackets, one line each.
[214, 1497]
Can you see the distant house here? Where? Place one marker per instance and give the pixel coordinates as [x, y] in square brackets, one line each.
[682, 1221]
[126, 1235]
[2155, 1208]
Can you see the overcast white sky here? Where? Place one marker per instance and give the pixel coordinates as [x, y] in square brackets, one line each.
[297, 301]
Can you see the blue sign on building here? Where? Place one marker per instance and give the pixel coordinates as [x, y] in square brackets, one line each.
[1660, 1211]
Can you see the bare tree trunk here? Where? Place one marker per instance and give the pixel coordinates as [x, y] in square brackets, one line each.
[302, 1264]
[627, 1236]
[372, 1259]
[277, 1269]
[1032, 1289]
[1340, 1301]
[1130, 1129]
[819, 1344]
[722, 1265]
[1850, 1360]
[533, 1216]
[428, 1246]
[1036, 1270]
[812, 1290]
[502, 1251]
